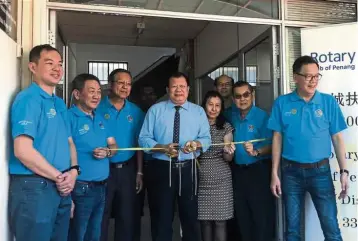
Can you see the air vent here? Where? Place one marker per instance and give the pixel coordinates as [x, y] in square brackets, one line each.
[321, 11]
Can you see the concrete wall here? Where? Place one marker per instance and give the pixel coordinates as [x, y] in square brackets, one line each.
[138, 58]
[9, 76]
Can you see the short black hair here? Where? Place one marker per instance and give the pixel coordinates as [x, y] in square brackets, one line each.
[78, 83]
[223, 75]
[179, 75]
[241, 83]
[112, 75]
[220, 120]
[303, 60]
[36, 51]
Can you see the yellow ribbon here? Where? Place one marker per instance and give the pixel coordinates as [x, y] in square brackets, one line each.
[157, 148]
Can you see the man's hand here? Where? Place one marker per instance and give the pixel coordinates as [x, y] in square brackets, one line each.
[172, 149]
[189, 147]
[249, 148]
[344, 185]
[66, 182]
[229, 149]
[100, 152]
[139, 182]
[276, 186]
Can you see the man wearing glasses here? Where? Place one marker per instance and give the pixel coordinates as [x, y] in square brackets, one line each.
[254, 203]
[304, 124]
[125, 180]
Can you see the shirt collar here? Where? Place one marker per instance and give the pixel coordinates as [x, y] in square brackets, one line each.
[110, 105]
[39, 90]
[249, 114]
[316, 99]
[77, 111]
[185, 106]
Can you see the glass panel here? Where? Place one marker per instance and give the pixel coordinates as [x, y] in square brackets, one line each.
[293, 52]
[243, 8]
[258, 72]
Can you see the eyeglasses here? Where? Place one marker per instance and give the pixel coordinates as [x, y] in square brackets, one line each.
[227, 85]
[309, 77]
[245, 95]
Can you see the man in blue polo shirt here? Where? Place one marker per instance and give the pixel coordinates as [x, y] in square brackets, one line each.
[93, 142]
[254, 203]
[304, 124]
[124, 120]
[41, 176]
[178, 128]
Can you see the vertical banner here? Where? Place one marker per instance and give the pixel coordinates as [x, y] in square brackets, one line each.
[335, 47]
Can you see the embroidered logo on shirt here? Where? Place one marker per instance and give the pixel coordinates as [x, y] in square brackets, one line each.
[129, 118]
[291, 112]
[251, 128]
[51, 113]
[294, 111]
[107, 116]
[318, 113]
[84, 129]
[101, 126]
[25, 122]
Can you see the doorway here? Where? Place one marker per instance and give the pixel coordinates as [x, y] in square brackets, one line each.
[150, 46]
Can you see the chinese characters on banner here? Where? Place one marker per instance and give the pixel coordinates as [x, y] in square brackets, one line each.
[335, 48]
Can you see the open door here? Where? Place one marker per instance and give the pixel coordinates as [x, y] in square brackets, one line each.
[260, 64]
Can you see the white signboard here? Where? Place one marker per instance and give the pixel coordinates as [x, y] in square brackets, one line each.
[335, 47]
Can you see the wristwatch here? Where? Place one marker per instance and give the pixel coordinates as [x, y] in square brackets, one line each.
[109, 153]
[77, 167]
[257, 153]
[344, 170]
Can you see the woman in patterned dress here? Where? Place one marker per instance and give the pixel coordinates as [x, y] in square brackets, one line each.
[215, 193]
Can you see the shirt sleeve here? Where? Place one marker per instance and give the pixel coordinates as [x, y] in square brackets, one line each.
[141, 117]
[204, 136]
[274, 122]
[228, 128]
[337, 120]
[266, 132]
[146, 135]
[25, 117]
[68, 121]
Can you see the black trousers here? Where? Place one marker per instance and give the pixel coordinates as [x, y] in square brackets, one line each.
[121, 201]
[140, 203]
[163, 197]
[254, 202]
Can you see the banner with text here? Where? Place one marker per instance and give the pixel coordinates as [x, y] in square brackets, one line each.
[335, 48]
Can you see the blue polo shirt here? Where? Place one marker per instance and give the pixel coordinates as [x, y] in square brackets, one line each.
[42, 117]
[124, 125]
[306, 127]
[253, 126]
[159, 123]
[88, 134]
[230, 112]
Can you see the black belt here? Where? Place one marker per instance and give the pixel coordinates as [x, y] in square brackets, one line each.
[181, 164]
[174, 164]
[119, 164]
[246, 166]
[93, 183]
[306, 165]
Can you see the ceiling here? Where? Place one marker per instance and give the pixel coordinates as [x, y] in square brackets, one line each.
[242, 8]
[94, 28]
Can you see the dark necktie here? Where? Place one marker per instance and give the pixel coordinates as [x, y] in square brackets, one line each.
[176, 129]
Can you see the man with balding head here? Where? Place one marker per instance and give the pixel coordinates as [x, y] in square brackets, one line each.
[223, 84]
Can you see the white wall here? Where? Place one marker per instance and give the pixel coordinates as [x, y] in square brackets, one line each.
[10, 83]
[138, 58]
[218, 41]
